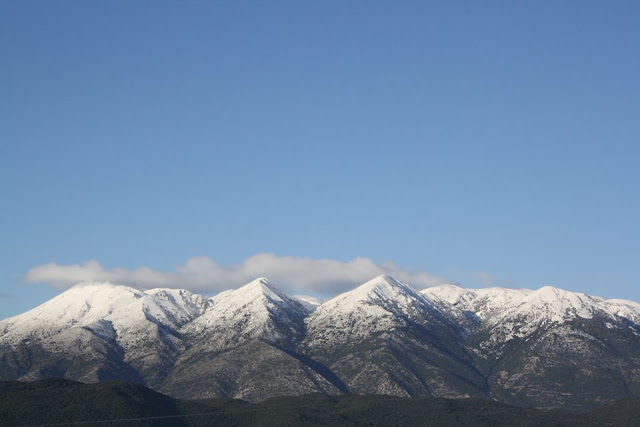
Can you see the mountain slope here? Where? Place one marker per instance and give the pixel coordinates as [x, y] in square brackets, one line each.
[243, 346]
[549, 347]
[384, 337]
[558, 348]
[256, 310]
[96, 331]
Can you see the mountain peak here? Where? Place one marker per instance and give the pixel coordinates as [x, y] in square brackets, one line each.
[258, 309]
[260, 287]
[381, 283]
[548, 289]
[260, 281]
[97, 286]
[380, 307]
[549, 293]
[558, 302]
[384, 278]
[385, 287]
[91, 304]
[380, 295]
[450, 293]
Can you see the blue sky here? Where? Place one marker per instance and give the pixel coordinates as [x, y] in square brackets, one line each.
[482, 142]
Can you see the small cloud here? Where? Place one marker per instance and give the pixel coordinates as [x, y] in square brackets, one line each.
[487, 279]
[303, 274]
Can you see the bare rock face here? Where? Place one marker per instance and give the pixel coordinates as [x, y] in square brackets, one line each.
[543, 348]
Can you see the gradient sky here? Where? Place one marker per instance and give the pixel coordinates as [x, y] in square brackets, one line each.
[492, 142]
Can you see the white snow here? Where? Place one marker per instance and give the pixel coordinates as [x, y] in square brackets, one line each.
[249, 312]
[451, 294]
[623, 308]
[308, 302]
[261, 310]
[490, 301]
[379, 305]
[509, 313]
[107, 309]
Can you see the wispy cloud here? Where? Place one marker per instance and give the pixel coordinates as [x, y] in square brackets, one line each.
[203, 274]
[487, 279]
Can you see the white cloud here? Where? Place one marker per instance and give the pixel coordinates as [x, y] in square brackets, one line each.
[487, 279]
[302, 274]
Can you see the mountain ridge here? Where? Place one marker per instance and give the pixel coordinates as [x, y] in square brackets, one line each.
[382, 337]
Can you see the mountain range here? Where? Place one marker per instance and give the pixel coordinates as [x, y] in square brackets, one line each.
[544, 348]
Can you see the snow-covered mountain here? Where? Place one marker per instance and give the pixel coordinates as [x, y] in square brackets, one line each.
[106, 309]
[244, 346]
[385, 337]
[623, 308]
[376, 307]
[525, 310]
[542, 347]
[548, 347]
[257, 310]
[119, 330]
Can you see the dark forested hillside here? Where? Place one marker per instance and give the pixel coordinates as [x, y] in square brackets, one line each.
[120, 403]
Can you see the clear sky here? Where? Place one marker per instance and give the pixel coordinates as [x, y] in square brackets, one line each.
[493, 142]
